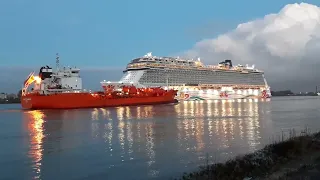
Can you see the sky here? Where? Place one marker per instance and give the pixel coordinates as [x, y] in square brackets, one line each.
[101, 37]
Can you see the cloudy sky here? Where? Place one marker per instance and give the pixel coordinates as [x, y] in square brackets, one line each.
[280, 37]
[284, 44]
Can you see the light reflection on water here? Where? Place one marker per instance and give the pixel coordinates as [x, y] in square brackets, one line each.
[153, 135]
[133, 133]
[35, 128]
[148, 141]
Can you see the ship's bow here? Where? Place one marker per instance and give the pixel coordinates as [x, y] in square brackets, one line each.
[26, 102]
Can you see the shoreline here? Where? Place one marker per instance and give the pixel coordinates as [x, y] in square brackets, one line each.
[298, 156]
[292, 95]
[10, 101]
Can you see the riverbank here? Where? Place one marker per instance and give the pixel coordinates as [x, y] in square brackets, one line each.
[10, 101]
[296, 157]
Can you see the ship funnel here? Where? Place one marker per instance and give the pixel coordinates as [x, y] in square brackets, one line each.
[229, 62]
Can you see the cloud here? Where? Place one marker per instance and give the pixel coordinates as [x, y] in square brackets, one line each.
[286, 45]
[12, 77]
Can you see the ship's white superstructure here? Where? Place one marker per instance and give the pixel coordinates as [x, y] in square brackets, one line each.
[193, 79]
[65, 79]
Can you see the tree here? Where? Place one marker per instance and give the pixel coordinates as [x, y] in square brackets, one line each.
[19, 93]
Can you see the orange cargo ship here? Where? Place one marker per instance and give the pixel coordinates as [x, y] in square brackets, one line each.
[63, 90]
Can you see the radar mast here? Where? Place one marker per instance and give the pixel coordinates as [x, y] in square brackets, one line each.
[57, 61]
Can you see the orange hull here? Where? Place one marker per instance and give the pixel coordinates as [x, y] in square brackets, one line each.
[87, 100]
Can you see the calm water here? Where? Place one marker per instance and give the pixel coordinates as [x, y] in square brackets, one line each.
[142, 142]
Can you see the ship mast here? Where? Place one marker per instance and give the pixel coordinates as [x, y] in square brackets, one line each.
[57, 61]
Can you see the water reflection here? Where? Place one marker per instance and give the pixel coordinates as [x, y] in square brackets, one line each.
[49, 135]
[150, 138]
[35, 127]
[226, 121]
[197, 127]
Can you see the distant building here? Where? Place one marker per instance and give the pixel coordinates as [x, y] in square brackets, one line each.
[12, 96]
[3, 96]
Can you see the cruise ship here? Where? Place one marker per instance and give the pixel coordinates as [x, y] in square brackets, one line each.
[196, 81]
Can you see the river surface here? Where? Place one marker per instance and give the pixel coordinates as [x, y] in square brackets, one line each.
[143, 142]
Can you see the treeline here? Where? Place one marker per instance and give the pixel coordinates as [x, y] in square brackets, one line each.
[290, 93]
[11, 100]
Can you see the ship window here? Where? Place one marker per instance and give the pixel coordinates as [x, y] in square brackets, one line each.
[135, 60]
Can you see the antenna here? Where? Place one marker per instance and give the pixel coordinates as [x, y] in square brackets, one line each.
[57, 61]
